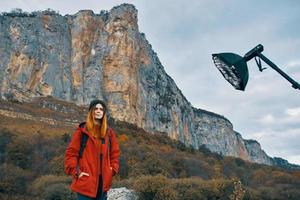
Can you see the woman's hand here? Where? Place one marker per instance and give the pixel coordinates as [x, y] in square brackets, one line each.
[83, 174]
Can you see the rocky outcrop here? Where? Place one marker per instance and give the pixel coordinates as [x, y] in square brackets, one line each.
[256, 154]
[121, 194]
[84, 56]
[217, 134]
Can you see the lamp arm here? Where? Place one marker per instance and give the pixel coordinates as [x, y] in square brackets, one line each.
[295, 84]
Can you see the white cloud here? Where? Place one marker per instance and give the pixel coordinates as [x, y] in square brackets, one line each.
[294, 63]
[294, 159]
[293, 112]
[280, 143]
[268, 119]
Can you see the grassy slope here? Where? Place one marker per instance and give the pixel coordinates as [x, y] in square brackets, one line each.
[146, 158]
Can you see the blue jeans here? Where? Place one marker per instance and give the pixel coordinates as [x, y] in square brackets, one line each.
[100, 194]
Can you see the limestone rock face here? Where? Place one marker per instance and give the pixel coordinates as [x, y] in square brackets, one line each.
[84, 56]
[256, 154]
[35, 56]
[217, 134]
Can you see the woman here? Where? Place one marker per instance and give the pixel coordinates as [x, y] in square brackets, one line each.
[92, 171]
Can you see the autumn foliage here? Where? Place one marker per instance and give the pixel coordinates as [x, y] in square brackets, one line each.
[155, 166]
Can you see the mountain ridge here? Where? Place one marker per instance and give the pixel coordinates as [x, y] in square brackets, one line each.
[80, 57]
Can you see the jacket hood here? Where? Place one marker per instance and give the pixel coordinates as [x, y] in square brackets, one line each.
[82, 128]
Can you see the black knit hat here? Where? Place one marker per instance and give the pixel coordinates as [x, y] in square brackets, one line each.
[95, 102]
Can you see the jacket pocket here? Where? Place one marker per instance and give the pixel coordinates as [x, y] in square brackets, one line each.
[107, 179]
[83, 177]
[82, 181]
[85, 184]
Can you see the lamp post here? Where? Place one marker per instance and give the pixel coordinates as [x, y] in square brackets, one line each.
[235, 70]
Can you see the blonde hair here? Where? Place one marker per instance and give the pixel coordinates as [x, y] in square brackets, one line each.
[90, 124]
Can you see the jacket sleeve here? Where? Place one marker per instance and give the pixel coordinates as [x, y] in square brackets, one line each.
[114, 153]
[72, 153]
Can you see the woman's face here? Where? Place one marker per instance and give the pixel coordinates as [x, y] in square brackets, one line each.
[98, 111]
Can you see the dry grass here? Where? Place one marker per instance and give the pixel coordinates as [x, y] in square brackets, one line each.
[65, 116]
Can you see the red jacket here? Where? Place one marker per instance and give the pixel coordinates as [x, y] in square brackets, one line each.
[90, 161]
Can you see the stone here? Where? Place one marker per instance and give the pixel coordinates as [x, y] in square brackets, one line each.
[121, 194]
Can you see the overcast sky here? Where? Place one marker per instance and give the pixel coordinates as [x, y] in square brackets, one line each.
[185, 34]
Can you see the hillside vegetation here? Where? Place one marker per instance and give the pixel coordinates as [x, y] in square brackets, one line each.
[32, 153]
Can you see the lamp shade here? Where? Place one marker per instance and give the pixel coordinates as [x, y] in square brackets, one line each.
[234, 69]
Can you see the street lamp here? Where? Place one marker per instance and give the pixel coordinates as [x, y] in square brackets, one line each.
[234, 67]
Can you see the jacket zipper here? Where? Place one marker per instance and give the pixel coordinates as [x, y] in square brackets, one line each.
[101, 158]
[97, 177]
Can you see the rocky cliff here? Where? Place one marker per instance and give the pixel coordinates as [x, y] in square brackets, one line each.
[85, 56]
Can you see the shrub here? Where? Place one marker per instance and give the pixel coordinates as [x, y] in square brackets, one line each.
[239, 191]
[56, 165]
[148, 186]
[122, 138]
[154, 165]
[196, 167]
[124, 168]
[190, 188]
[13, 179]
[5, 138]
[196, 188]
[128, 183]
[282, 177]
[58, 191]
[19, 152]
[40, 185]
[48, 154]
[166, 193]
